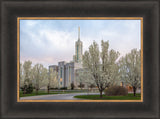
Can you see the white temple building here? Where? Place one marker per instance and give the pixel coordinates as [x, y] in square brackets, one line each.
[67, 71]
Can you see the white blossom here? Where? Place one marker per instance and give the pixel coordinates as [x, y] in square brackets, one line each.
[130, 69]
[101, 65]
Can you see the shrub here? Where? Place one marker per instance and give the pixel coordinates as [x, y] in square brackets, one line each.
[27, 89]
[81, 85]
[53, 88]
[116, 91]
[92, 86]
[72, 86]
[63, 88]
[30, 88]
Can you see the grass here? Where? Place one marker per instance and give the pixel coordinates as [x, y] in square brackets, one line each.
[40, 92]
[97, 97]
[34, 93]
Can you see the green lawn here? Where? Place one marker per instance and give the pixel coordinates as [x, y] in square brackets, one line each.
[97, 97]
[51, 92]
[34, 93]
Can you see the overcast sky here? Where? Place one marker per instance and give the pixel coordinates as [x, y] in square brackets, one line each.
[50, 41]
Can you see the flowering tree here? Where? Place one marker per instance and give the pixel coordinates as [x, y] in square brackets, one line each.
[130, 68]
[39, 76]
[21, 76]
[80, 79]
[101, 65]
[52, 79]
[25, 76]
[84, 78]
[27, 72]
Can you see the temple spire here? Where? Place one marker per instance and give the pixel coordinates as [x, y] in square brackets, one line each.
[78, 33]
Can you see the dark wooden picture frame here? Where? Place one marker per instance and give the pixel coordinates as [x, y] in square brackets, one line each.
[148, 9]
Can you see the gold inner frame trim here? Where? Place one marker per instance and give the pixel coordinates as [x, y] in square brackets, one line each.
[77, 18]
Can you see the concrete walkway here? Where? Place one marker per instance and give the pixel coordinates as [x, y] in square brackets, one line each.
[57, 96]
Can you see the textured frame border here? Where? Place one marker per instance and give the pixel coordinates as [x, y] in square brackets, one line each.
[148, 9]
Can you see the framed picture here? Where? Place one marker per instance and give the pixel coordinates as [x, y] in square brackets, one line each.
[30, 29]
[69, 77]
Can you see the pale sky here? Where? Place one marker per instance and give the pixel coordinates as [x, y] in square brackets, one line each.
[50, 41]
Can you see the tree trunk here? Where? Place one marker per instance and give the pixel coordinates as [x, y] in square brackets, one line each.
[134, 90]
[36, 91]
[24, 93]
[48, 89]
[100, 93]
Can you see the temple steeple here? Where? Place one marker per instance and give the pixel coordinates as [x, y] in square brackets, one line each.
[78, 33]
[78, 49]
